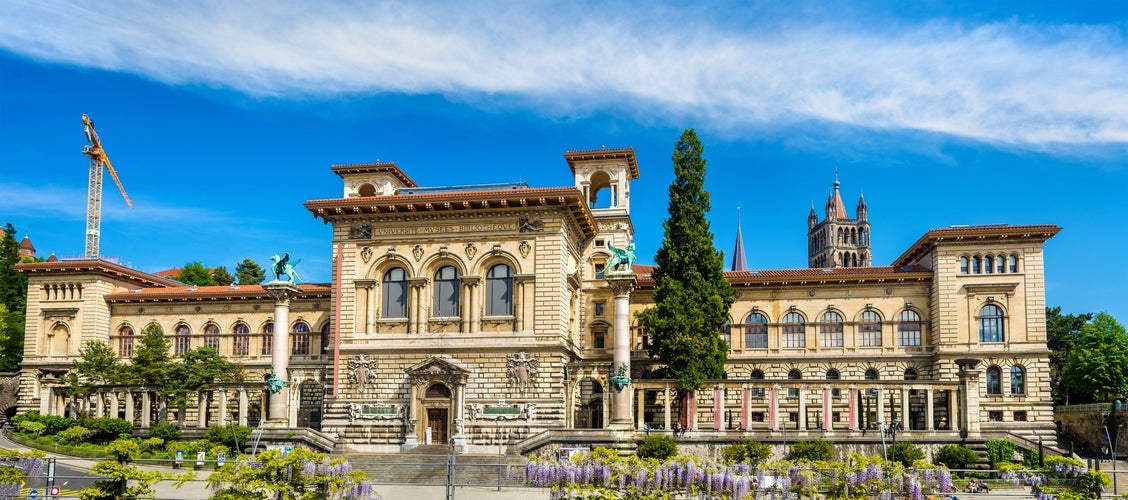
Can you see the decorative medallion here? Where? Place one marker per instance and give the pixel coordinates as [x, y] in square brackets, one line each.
[360, 231]
[521, 368]
[526, 224]
[360, 372]
[471, 250]
[365, 254]
[524, 248]
[417, 251]
[496, 249]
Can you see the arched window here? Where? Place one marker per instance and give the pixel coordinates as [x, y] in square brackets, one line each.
[963, 265]
[794, 375]
[756, 331]
[794, 331]
[267, 339]
[830, 329]
[300, 334]
[910, 374]
[394, 288]
[125, 342]
[989, 264]
[183, 339]
[326, 337]
[756, 375]
[1002, 264]
[869, 329]
[499, 291]
[871, 374]
[908, 328]
[211, 336]
[976, 265]
[241, 345]
[1018, 380]
[832, 374]
[991, 324]
[446, 292]
[993, 375]
[726, 333]
[1013, 262]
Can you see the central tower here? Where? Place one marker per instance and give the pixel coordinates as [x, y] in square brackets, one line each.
[838, 241]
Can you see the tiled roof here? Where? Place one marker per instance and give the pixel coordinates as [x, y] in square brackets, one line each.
[25, 244]
[193, 293]
[603, 154]
[457, 201]
[98, 266]
[373, 168]
[1041, 232]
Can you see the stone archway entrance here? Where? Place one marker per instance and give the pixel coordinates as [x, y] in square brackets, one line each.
[437, 401]
[589, 405]
[310, 404]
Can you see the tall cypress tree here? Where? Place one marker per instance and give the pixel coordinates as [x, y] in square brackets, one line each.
[691, 296]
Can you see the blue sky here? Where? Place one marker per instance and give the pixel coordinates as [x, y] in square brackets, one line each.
[222, 118]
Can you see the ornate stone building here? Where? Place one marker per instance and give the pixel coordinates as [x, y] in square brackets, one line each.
[497, 314]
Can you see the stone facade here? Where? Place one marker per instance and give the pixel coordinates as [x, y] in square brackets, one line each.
[488, 315]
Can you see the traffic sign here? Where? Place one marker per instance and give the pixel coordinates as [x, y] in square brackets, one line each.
[54, 491]
[33, 493]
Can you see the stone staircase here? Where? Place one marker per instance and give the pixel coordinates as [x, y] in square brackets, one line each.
[430, 465]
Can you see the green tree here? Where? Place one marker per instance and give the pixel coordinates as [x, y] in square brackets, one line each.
[123, 480]
[658, 446]
[1097, 368]
[194, 273]
[197, 370]
[249, 273]
[13, 284]
[907, 453]
[221, 277]
[813, 450]
[1062, 331]
[691, 295]
[11, 339]
[956, 456]
[302, 474]
[748, 451]
[98, 364]
[151, 358]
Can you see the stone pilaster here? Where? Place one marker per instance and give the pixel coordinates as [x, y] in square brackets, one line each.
[969, 396]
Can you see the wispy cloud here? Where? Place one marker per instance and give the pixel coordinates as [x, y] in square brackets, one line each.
[1030, 86]
[69, 204]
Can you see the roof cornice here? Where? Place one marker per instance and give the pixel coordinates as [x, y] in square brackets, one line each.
[98, 266]
[604, 154]
[569, 198]
[212, 293]
[956, 234]
[388, 167]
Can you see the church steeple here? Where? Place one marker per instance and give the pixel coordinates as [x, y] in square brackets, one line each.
[838, 241]
[738, 262]
[812, 218]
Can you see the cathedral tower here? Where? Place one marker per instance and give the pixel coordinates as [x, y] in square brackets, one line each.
[839, 241]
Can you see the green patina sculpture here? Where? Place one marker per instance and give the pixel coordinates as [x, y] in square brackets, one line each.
[274, 383]
[620, 257]
[281, 266]
[620, 380]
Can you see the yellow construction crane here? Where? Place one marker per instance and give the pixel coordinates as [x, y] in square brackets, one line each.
[94, 189]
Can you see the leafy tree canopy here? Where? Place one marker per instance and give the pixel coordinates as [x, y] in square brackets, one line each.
[301, 474]
[249, 273]
[13, 284]
[221, 277]
[1062, 331]
[691, 295]
[98, 363]
[194, 273]
[11, 339]
[151, 357]
[1097, 367]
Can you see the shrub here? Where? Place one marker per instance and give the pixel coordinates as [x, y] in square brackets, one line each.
[74, 435]
[1030, 459]
[56, 424]
[907, 453]
[956, 456]
[1053, 460]
[813, 450]
[748, 451]
[167, 431]
[32, 427]
[660, 447]
[221, 435]
[1000, 451]
[152, 444]
[123, 450]
[106, 428]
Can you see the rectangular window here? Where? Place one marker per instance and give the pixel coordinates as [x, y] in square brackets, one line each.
[641, 338]
[756, 336]
[125, 347]
[446, 295]
[830, 335]
[600, 269]
[1019, 416]
[500, 295]
[908, 333]
[599, 309]
[241, 345]
[793, 393]
[395, 299]
[995, 416]
[267, 343]
[212, 341]
[794, 340]
[599, 338]
[869, 334]
[757, 416]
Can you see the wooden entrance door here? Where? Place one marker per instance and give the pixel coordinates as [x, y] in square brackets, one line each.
[437, 421]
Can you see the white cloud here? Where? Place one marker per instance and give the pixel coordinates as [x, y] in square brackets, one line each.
[1031, 86]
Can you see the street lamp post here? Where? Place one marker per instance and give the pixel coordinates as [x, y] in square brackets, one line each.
[234, 436]
[881, 431]
[1112, 448]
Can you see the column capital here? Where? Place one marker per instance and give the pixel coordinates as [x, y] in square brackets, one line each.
[282, 292]
[622, 284]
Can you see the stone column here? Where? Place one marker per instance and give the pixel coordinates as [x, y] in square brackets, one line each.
[282, 292]
[640, 410]
[370, 307]
[773, 408]
[969, 396]
[146, 409]
[99, 405]
[243, 406]
[129, 406]
[905, 417]
[691, 411]
[666, 406]
[201, 410]
[718, 407]
[418, 321]
[928, 416]
[460, 400]
[745, 402]
[223, 416]
[802, 423]
[622, 284]
[852, 418]
[410, 434]
[880, 412]
[826, 413]
[953, 410]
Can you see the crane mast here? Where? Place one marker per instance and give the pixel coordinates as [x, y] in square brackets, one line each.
[98, 159]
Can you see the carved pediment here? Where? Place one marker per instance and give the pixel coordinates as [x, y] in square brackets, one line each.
[438, 368]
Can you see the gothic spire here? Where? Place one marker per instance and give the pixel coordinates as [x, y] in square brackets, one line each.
[738, 262]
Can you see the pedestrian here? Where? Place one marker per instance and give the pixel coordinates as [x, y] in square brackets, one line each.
[647, 428]
[1104, 453]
